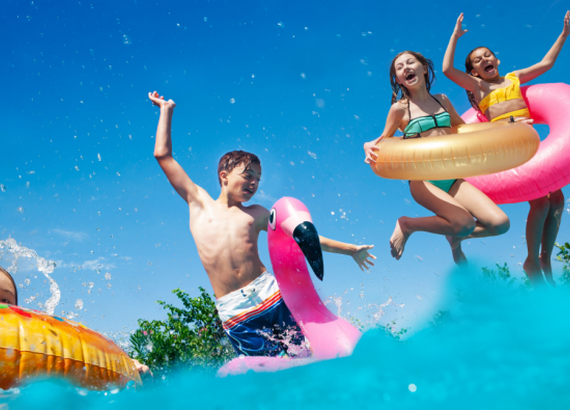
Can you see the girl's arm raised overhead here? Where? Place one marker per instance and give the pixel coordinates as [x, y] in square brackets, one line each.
[393, 122]
[529, 74]
[459, 77]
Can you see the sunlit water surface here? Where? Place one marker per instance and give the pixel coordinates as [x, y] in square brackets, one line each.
[496, 345]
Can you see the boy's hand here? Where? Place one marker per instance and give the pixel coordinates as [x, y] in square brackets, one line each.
[458, 31]
[566, 29]
[159, 101]
[362, 257]
[369, 151]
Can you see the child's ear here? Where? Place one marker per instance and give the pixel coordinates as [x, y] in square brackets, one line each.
[224, 177]
[474, 73]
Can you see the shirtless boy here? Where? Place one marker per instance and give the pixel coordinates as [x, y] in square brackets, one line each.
[226, 233]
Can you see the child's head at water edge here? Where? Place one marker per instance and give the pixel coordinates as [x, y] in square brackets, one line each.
[410, 70]
[8, 289]
[482, 63]
[239, 173]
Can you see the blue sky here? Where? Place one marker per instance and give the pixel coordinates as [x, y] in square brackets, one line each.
[301, 84]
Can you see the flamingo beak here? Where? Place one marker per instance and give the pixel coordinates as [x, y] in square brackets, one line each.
[306, 236]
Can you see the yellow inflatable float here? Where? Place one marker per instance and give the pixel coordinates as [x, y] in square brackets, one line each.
[474, 149]
[34, 344]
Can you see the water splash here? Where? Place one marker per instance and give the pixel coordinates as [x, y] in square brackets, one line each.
[46, 267]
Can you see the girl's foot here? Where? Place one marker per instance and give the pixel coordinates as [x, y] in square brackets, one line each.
[458, 255]
[533, 272]
[547, 269]
[399, 237]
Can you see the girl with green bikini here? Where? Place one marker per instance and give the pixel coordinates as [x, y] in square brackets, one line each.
[461, 210]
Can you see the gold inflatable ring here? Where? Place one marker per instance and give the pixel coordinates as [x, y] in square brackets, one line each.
[34, 344]
[473, 149]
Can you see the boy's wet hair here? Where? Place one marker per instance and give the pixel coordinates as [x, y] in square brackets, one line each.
[399, 92]
[2, 270]
[468, 69]
[232, 159]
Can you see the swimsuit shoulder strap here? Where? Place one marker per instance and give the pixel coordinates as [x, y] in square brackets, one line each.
[439, 102]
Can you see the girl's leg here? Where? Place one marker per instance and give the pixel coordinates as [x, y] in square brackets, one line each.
[539, 209]
[491, 220]
[451, 217]
[551, 227]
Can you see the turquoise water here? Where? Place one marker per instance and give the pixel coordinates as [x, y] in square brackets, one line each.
[497, 346]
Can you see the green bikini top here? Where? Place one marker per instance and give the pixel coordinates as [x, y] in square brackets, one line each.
[426, 122]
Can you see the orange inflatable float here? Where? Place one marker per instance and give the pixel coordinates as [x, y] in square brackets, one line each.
[34, 344]
[473, 149]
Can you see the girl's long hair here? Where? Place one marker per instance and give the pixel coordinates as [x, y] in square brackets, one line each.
[399, 92]
[468, 69]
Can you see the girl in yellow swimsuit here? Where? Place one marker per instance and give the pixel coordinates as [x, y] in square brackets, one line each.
[499, 99]
[461, 210]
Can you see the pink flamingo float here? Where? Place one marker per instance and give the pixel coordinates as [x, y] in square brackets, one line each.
[293, 238]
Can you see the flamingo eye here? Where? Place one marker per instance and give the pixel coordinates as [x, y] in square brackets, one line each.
[272, 217]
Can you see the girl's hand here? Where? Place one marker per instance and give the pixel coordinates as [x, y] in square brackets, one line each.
[458, 31]
[566, 29]
[369, 151]
[159, 101]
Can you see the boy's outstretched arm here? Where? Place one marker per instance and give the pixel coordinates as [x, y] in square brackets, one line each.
[528, 74]
[358, 252]
[181, 182]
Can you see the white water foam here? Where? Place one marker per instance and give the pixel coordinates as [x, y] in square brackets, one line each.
[46, 267]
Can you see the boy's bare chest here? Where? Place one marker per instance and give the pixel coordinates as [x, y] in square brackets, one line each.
[215, 226]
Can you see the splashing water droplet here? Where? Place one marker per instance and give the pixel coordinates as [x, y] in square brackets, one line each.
[20, 210]
[108, 276]
[232, 100]
[2, 188]
[126, 39]
[43, 265]
[78, 304]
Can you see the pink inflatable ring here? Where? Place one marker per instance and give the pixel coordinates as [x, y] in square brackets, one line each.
[549, 169]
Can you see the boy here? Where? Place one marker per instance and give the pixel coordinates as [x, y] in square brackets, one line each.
[226, 233]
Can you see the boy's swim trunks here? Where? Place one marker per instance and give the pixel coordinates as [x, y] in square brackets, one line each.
[257, 321]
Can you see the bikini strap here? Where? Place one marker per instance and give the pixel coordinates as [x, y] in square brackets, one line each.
[409, 112]
[438, 102]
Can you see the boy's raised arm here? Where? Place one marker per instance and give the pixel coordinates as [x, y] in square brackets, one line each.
[181, 182]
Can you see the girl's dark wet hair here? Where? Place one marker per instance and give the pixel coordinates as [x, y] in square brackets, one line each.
[399, 92]
[468, 69]
[232, 159]
[2, 270]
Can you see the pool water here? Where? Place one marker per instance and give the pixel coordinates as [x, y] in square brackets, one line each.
[493, 345]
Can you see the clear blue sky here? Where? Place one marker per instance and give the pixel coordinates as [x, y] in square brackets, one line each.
[301, 84]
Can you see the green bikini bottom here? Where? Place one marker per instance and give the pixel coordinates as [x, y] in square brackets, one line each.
[444, 184]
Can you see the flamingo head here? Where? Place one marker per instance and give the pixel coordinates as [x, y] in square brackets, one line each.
[290, 217]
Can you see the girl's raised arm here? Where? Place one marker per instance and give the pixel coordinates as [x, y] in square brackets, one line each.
[460, 78]
[528, 74]
[395, 116]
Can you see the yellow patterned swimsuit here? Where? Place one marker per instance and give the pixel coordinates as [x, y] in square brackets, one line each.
[510, 92]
